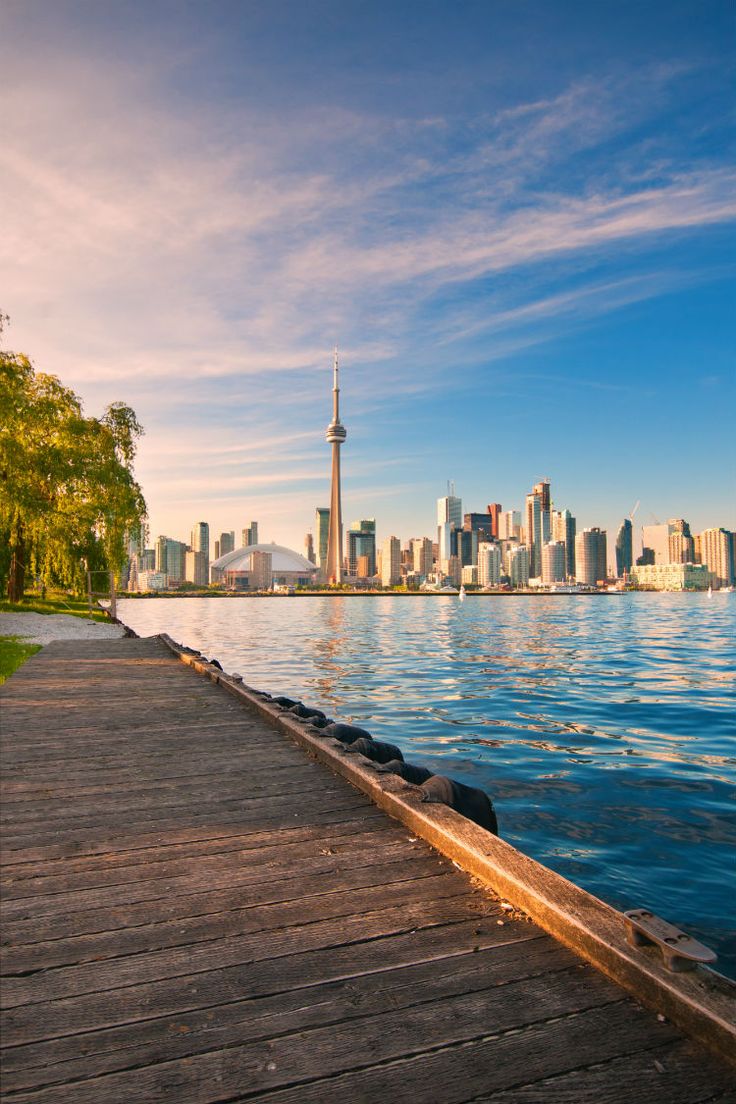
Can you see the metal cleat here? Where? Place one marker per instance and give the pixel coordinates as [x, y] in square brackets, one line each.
[679, 950]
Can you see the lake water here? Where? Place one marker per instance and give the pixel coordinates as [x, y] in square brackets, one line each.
[602, 727]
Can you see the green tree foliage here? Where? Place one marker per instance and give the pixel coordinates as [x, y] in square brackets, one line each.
[67, 492]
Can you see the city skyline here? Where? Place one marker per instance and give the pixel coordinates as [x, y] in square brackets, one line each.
[516, 222]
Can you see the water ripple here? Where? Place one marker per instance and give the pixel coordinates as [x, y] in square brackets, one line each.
[603, 728]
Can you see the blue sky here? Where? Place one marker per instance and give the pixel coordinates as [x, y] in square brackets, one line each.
[515, 218]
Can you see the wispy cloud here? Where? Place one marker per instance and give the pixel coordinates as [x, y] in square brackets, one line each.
[208, 259]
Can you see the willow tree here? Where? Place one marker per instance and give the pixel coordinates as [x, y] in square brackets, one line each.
[67, 492]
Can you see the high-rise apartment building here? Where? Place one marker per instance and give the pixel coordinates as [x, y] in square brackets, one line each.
[362, 542]
[716, 550]
[196, 568]
[682, 548]
[200, 541]
[422, 556]
[624, 548]
[591, 556]
[249, 535]
[170, 559]
[227, 542]
[554, 562]
[564, 528]
[509, 525]
[261, 568]
[309, 547]
[489, 564]
[517, 565]
[391, 562]
[533, 532]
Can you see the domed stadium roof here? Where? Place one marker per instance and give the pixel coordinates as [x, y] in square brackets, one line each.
[282, 559]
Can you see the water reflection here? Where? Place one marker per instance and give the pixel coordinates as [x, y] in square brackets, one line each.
[602, 727]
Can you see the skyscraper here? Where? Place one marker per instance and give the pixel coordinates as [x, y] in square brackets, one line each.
[391, 562]
[494, 510]
[624, 548]
[533, 530]
[716, 552]
[362, 542]
[590, 556]
[309, 547]
[322, 524]
[335, 435]
[554, 561]
[564, 527]
[227, 543]
[449, 519]
[250, 534]
[421, 550]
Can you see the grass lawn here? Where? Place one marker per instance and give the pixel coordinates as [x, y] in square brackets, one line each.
[54, 602]
[13, 652]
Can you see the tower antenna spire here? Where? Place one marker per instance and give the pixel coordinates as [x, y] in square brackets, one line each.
[335, 435]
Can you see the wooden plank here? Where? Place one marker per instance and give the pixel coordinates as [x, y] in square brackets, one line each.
[671, 1073]
[216, 924]
[212, 899]
[334, 1004]
[300, 969]
[217, 954]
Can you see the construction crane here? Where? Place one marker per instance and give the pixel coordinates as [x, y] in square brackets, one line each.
[631, 515]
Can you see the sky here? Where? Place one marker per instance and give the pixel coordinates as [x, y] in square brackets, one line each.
[515, 218]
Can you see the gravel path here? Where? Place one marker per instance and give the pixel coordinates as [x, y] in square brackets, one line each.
[42, 628]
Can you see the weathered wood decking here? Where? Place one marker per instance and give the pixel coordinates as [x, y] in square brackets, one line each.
[195, 910]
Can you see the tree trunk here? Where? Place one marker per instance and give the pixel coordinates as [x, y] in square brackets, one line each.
[17, 574]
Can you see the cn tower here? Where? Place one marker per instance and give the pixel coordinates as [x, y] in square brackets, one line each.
[336, 434]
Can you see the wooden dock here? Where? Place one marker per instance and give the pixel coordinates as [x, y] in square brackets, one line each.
[195, 910]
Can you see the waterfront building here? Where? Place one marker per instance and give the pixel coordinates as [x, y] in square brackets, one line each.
[261, 570]
[335, 436]
[309, 547]
[494, 512]
[362, 542]
[509, 525]
[671, 576]
[227, 542]
[554, 563]
[481, 525]
[170, 559]
[591, 556]
[564, 528]
[533, 531]
[449, 520]
[454, 571]
[517, 565]
[624, 548]
[322, 524]
[151, 580]
[716, 551]
[391, 562]
[489, 564]
[196, 568]
[466, 546]
[250, 534]
[682, 548]
[243, 569]
[422, 556]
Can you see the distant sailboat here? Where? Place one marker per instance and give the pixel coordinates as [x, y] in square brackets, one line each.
[710, 591]
[461, 595]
